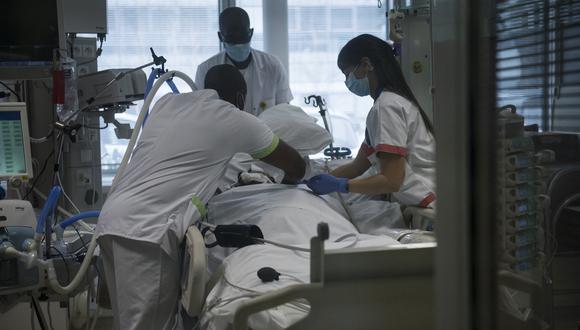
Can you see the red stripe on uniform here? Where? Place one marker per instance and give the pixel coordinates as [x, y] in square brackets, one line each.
[427, 200]
[367, 150]
[391, 149]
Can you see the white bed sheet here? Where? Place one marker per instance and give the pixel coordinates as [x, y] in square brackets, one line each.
[290, 214]
[241, 269]
[286, 214]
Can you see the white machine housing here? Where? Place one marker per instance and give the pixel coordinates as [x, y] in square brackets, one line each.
[124, 91]
[417, 53]
[15, 212]
[82, 16]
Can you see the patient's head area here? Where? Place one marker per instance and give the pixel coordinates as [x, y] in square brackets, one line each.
[228, 82]
[234, 25]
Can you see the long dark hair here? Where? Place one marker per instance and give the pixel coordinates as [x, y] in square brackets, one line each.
[388, 71]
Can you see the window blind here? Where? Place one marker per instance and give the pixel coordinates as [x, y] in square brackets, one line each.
[538, 61]
[183, 31]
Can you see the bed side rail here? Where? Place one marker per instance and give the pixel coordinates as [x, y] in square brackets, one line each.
[359, 288]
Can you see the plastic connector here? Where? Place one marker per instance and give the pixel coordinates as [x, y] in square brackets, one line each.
[29, 245]
[323, 231]
[4, 247]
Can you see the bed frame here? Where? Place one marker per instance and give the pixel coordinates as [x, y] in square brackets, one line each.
[371, 288]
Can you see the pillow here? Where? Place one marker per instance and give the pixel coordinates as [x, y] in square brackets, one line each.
[296, 128]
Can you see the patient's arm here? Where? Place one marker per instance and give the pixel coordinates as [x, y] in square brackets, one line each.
[289, 160]
[389, 180]
[353, 169]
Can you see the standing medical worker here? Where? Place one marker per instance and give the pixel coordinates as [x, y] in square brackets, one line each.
[182, 153]
[399, 141]
[265, 76]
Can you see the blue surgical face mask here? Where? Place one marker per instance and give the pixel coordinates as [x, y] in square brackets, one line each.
[357, 86]
[238, 52]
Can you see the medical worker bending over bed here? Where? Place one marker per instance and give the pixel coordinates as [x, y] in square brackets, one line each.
[264, 74]
[175, 168]
[399, 141]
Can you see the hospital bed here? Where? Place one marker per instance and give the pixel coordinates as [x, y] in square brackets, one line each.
[347, 255]
[384, 274]
[388, 282]
[380, 288]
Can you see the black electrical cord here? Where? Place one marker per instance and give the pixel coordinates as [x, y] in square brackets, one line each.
[49, 314]
[13, 92]
[85, 245]
[65, 263]
[39, 174]
[97, 54]
[56, 168]
[80, 237]
[61, 137]
[96, 127]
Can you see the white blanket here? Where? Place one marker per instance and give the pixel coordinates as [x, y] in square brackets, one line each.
[286, 214]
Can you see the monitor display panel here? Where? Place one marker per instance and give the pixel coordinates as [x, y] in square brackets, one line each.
[30, 32]
[15, 157]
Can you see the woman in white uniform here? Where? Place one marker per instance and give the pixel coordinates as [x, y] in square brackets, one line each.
[399, 141]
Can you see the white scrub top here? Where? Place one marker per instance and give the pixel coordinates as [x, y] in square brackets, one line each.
[175, 168]
[394, 125]
[265, 77]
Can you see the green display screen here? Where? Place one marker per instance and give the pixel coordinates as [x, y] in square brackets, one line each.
[12, 156]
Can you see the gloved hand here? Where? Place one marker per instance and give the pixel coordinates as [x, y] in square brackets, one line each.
[323, 184]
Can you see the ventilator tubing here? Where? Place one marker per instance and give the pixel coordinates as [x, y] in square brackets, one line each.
[66, 290]
[80, 216]
[47, 209]
[144, 111]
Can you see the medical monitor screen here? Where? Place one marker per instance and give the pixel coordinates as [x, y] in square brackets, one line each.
[12, 152]
[29, 32]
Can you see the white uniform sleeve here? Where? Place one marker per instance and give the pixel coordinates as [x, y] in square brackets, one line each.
[388, 129]
[283, 92]
[200, 75]
[252, 136]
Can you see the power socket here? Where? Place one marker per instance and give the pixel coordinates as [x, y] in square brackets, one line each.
[82, 70]
[78, 51]
[89, 51]
[84, 177]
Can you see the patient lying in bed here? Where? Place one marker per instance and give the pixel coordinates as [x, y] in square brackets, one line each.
[286, 214]
[289, 215]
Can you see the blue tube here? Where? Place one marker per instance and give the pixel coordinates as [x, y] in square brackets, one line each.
[150, 81]
[48, 208]
[172, 86]
[75, 218]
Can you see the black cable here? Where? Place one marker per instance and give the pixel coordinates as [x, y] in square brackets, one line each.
[89, 61]
[50, 133]
[61, 136]
[65, 263]
[85, 246]
[97, 54]
[39, 174]
[96, 127]
[13, 92]
[81, 238]
[38, 311]
[49, 315]
[56, 168]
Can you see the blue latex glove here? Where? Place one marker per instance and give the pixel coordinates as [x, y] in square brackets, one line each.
[323, 184]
